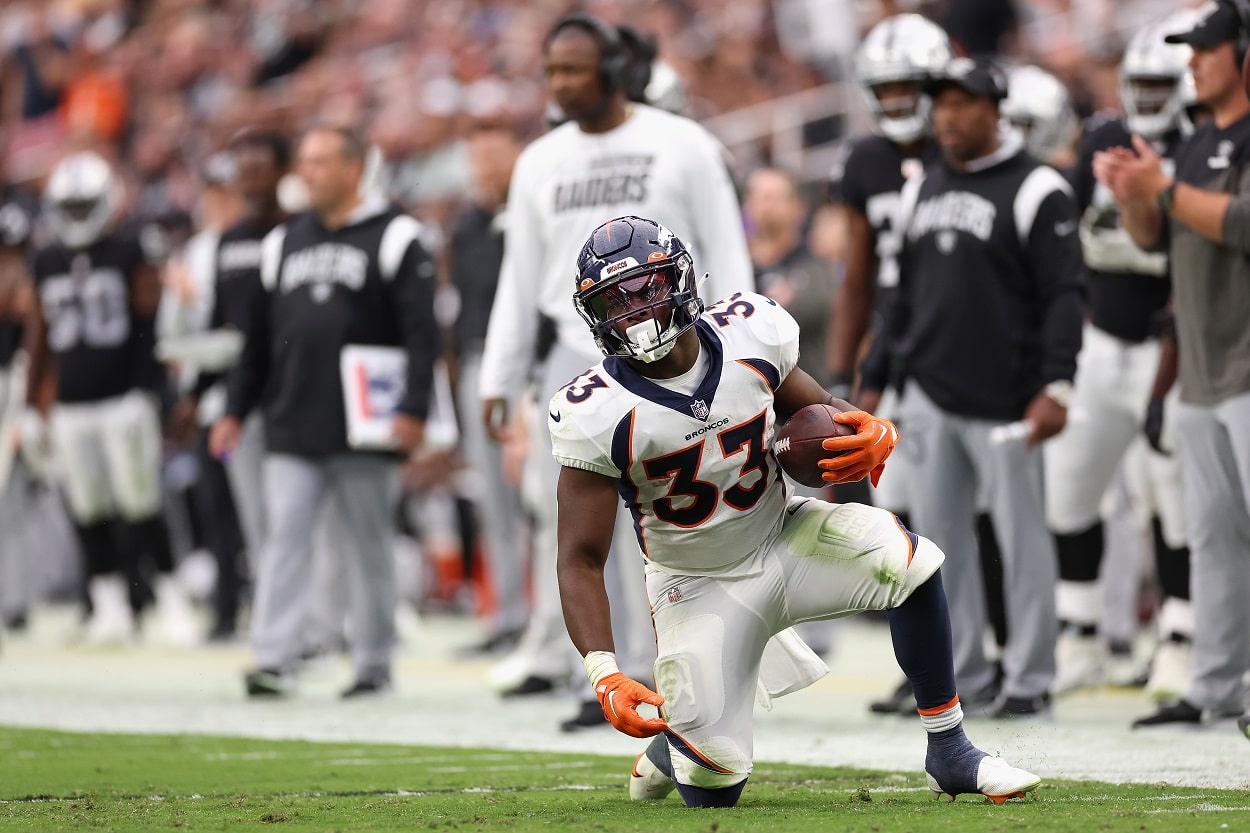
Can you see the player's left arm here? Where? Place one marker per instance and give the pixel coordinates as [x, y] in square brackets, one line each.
[719, 239]
[1054, 251]
[412, 292]
[586, 504]
[145, 290]
[1229, 214]
[40, 364]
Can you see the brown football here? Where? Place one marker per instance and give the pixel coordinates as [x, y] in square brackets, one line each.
[798, 442]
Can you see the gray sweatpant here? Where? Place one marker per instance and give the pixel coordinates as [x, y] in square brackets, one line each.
[363, 489]
[20, 546]
[245, 471]
[1215, 459]
[951, 456]
[498, 504]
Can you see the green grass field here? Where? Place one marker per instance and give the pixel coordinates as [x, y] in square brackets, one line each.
[104, 782]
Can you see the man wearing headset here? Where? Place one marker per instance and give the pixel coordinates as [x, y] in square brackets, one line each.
[611, 157]
[1201, 215]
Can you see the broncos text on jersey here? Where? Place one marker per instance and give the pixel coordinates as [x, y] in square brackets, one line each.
[696, 471]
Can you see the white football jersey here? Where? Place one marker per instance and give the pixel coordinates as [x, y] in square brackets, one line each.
[697, 472]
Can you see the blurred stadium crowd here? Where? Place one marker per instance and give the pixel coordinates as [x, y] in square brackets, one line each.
[445, 92]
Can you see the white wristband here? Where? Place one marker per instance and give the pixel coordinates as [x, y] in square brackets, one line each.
[599, 664]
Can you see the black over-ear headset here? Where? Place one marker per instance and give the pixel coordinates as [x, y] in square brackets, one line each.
[1242, 8]
[613, 60]
[641, 51]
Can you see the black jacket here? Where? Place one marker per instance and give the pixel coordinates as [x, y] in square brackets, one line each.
[370, 283]
[991, 292]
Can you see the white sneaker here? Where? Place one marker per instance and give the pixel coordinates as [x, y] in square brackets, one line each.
[997, 780]
[178, 623]
[112, 622]
[1169, 671]
[1080, 662]
[646, 782]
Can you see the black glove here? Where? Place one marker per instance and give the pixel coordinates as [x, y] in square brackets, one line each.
[1153, 426]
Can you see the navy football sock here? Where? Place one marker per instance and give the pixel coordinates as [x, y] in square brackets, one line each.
[704, 797]
[920, 629]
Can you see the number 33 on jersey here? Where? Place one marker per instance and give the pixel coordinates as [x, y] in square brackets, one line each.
[685, 462]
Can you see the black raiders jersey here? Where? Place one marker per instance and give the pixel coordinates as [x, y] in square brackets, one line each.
[868, 175]
[101, 350]
[17, 214]
[10, 339]
[238, 274]
[1128, 287]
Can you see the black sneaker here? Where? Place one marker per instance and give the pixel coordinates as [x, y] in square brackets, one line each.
[532, 684]
[1180, 713]
[497, 643]
[368, 687]
[1011, 708]
[900, 701]
[589, 716]
[268, 682]
[1183, 714]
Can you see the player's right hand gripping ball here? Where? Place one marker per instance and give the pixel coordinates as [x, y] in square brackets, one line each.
[799, 444]
[619, 696]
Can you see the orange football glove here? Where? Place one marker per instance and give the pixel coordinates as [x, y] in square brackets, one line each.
[862, 454]
[619, 697]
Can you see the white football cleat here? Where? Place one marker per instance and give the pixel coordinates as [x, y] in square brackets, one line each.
[178, 624]
[1080, 662]
[997, 780]
[646, 782]
[1169, 671]
[111, 621]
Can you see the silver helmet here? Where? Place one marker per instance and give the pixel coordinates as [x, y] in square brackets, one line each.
[903, 48]
[1155, 79]
[666, 90]
[1038, 103]
[82, 199]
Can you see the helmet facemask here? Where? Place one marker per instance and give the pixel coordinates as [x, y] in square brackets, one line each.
[82, 200]
[902, 112]
[640, 312]
[1153, 106]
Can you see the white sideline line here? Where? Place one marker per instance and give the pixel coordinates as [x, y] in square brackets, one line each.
[394, 794]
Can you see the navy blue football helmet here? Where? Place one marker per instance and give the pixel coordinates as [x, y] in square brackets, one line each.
[636, 288]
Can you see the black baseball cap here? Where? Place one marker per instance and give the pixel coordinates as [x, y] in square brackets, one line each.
[976, 75]
[1221, 25]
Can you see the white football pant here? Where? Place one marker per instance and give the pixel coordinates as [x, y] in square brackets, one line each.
[108, 457]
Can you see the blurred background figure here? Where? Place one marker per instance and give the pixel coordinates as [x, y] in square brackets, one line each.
[1125, 371]
[785, 268]
[1039, 106]
[93, 332]
[475, 255]
[19, 590]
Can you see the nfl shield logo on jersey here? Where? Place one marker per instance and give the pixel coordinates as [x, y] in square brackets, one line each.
[674, 595]
[699, 409]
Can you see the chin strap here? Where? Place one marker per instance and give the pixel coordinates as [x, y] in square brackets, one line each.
[646, 338]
